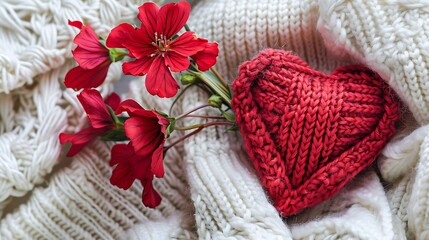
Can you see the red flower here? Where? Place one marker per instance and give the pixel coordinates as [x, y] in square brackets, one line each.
[93, 58]
[129, 167]
[206, 58]
[99, 118]
[155, 46]
[147, 133]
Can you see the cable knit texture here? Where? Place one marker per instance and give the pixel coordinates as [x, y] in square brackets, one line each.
[42, 194]
[308, 133]
[35, 54]
[389, 36]
[210, 190]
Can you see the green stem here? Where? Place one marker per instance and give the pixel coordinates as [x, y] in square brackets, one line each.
[177, 98]
[187, 28]
[115, 118]
[216, 73]
[215, 84]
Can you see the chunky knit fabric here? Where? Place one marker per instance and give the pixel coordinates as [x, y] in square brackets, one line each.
[35, 54]
[308, 133]
[210, 190]
[391, 37]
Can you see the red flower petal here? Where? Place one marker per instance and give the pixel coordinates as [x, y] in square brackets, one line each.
[159, 80]
[95, 108]
[79, 78]
[88, 40]
[80, 139]
[188, 44]
[206, 58]
[120, 35]
[128, 105]
[77, 24]
[176, 62]
[137, 167]
[157, 166]
[140, 45]
[113, 101]
[90, 60]
[120, 152]
[172, 17]
[148, 13]
[150, 197]
[138, 67]
[163, 122]
[145, 134]
[122, 174]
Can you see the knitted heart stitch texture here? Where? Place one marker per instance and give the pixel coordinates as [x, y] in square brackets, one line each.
[308, 133]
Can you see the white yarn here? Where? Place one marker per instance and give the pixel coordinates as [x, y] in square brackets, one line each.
[34, 57]
[391, 37]
[392, 164]
[418, 211]
[245, 27]
[359, 211]
[164, 229]
[210, 190]
[404, 165]
[228, 199]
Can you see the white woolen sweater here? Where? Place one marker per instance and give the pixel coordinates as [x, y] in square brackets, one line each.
[210, 190]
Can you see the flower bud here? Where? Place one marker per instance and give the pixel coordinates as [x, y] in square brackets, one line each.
[215, 101]
[117, 54]
[188, 79]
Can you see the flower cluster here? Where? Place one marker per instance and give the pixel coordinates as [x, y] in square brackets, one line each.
[155, 49]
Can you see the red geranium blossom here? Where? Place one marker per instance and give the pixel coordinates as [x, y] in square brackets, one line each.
[93, 58]
[156, 48]
[206, 58]
[146, 130]
[129, 167]
[99, 118]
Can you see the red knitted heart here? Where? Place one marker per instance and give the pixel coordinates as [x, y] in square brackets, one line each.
[308, 133]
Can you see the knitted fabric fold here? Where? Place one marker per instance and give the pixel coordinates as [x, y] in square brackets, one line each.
[210, 190]
[35, 54]
[80, 202]
[404, 165]
[245, 27]
[390, 37]
[359, 211]
[229, 201]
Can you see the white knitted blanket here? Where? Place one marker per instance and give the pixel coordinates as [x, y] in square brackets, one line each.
[210, 190]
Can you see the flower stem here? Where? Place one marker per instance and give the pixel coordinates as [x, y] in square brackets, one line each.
[187, 28]
[177, 98]
[198, 128]
[182, 138]
[216, 73]
[191, 111]
[203, 125]
[204, 116]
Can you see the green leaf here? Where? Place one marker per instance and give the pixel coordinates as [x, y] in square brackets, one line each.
[233, 128]
[122, 119]
[170, 128]
[229, 116]
[161, 113]
[117, 134]
[114, 117]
